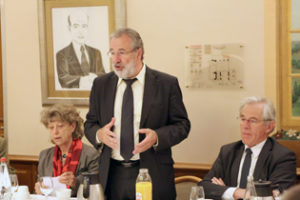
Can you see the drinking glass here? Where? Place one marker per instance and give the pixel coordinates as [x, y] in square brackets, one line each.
[276, 194]
[197, 193]
[46, 185]
[14, 182]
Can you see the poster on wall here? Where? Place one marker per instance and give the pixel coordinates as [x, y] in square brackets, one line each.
[214, 66]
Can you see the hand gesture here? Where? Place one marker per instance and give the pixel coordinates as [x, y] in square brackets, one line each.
[106, 136]
[68, 178]
[149, 140]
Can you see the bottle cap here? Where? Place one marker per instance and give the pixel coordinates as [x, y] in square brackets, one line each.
[249, 178]
[144, 170]
[3, 159]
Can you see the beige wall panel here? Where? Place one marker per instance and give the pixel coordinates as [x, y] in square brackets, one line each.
[166, 27]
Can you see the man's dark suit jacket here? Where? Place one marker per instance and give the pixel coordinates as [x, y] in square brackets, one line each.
[163, 111]
[68, 67]
[275, 163]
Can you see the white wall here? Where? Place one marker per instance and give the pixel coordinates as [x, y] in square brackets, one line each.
[166, 27]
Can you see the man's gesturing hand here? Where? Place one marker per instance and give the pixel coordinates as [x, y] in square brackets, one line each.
[106, 136]
[148, 142]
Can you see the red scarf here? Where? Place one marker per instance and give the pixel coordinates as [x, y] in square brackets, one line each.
[71, 161]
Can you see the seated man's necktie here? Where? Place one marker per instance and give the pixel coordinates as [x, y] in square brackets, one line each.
[246, 168]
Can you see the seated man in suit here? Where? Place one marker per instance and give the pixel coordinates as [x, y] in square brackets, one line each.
[78, 64]
[256, 154]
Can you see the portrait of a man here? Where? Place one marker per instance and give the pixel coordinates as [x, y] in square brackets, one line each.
[79, 61]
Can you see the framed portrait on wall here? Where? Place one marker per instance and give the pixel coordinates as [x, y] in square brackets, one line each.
[74, 41]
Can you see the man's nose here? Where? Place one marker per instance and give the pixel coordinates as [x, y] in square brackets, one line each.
[245, 124]
[116, 58]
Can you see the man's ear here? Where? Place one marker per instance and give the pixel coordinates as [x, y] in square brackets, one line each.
[140, 53]
[270, 126]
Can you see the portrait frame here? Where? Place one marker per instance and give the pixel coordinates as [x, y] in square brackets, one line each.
[105, 16]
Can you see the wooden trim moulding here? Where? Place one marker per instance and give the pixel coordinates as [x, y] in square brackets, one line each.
[178, 165]
[23, 158]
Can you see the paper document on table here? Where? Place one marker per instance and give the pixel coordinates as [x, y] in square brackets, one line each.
[58, 185]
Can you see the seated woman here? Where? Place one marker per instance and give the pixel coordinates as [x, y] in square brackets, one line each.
[69, 157]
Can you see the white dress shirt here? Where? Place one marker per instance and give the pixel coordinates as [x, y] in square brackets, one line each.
[228, 194]
[77, 50]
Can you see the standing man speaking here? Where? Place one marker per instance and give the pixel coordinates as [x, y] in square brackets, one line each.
[136, 115]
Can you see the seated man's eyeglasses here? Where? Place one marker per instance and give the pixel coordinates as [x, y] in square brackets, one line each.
[252, 121]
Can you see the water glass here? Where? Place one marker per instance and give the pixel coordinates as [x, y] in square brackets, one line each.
[46, 185]
[276, 194]
[22, 193]
[197, 193]
[14, 183]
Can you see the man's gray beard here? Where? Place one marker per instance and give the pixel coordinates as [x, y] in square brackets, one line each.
[126, 73]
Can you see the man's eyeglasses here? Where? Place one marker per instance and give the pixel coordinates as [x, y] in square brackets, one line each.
[120, 53]
[252, 121]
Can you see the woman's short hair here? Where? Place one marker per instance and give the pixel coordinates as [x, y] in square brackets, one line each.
[64, 113]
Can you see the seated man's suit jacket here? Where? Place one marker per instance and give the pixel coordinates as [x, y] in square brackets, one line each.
[275, 163]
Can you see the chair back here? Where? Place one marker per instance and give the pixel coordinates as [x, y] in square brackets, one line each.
[184, 184]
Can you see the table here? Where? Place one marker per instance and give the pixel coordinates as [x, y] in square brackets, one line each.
[41, 197]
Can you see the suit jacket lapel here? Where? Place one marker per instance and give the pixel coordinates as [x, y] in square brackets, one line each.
[73, 60]
[149, 91]
[91, 55]
[109, 98]
[263, 156]
[236, 164]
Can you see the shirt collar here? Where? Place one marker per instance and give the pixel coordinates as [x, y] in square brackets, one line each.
[77, 46]
[257, 148]
[140, 77]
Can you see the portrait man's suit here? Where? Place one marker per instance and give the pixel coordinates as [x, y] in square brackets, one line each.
[163, 111]
[275, 163]
[68, 67]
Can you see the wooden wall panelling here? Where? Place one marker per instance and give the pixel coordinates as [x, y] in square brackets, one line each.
[26, 169]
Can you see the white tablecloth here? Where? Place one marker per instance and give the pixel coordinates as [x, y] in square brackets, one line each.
[41, 197]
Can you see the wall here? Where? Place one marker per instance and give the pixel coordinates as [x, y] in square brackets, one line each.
[271, 51]
[166, 27]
